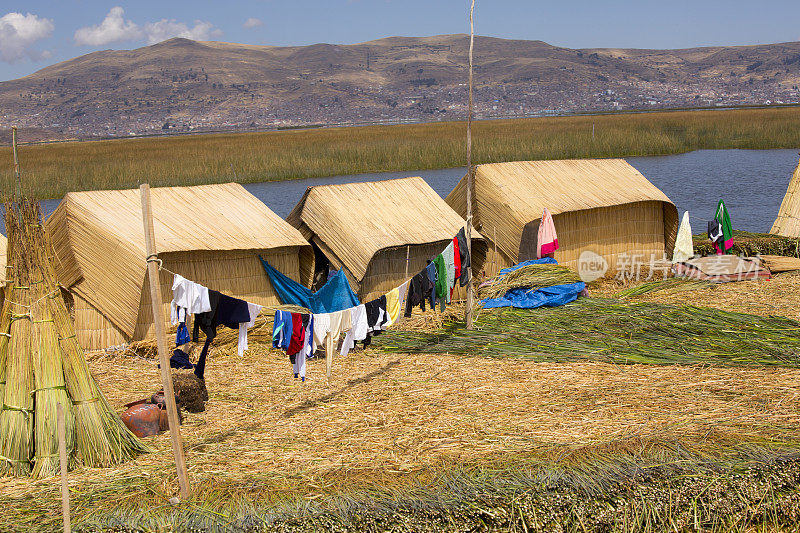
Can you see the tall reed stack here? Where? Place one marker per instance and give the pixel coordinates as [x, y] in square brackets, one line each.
[44, 366]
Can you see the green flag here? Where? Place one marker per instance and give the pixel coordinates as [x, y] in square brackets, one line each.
[727, 229]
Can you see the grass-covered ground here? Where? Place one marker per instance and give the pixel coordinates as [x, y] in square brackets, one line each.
[53, 169]
[445, 442]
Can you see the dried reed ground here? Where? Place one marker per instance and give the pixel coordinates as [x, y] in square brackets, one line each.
[776, 296]
[385, 420]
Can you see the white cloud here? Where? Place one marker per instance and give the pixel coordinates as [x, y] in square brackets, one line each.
[167, 29]
[252, 23]
[18, 33]
[114, 28]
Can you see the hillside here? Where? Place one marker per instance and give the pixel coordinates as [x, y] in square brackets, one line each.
[184, 85]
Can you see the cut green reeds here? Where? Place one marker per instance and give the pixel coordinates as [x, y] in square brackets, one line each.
[531, 277]
[674, 284]
[49, 393]
[48, 369]
[750, 244]
[612, 331]
[101, 438]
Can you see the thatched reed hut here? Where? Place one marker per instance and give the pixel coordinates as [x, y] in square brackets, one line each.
[602, 205]
[210, 234]
[788, 222]
[367, 229]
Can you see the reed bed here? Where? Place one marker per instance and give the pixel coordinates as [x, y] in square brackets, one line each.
[668, 284]
[612, 331]
[776, 296]
[54, 169]
[268, 444]
[648, 487]
[532, 277]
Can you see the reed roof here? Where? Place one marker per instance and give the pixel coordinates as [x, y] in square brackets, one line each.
[507, 196]
[98, 238]
[356, 220]
[788, 221]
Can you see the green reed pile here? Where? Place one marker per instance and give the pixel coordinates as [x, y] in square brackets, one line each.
[531, 277]
[612, 331]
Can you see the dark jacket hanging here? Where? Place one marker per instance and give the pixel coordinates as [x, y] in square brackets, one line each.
[225, 311]
[417, 292]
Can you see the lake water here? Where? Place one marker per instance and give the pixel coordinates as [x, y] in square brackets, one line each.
[752, 183]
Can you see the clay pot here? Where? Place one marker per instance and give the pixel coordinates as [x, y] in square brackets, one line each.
[145, 420]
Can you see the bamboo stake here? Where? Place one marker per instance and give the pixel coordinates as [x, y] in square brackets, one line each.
[158, 320]
[408, 251]
[470, 171]
[62, 456]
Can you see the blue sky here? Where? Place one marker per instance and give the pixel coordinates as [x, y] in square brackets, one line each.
[36, 33]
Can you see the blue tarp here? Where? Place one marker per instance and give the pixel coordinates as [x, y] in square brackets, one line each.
[335, 295]
[545, 297]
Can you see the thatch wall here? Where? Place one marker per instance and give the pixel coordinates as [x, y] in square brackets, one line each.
[209, 234]
[604, 205]
[237, 273]
[387, 268]
[787, 223]
[365, 228]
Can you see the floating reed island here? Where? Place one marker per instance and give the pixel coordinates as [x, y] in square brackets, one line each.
[42, 366]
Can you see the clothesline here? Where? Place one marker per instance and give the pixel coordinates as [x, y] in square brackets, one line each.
[311, 330]
[300, 335]
[168, 271]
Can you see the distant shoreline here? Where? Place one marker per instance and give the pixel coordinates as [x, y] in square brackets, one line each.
[52, 169]
[542, 115]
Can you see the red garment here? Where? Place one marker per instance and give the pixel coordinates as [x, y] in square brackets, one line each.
[457, 257]
[298, 335]
[457, 262]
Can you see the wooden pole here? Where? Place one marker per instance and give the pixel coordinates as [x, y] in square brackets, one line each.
[16, 161]
[161, 341]
[408, 252]
[62, 459]
[470, 171]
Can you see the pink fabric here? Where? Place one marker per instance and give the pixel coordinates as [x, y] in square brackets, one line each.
[549, 248]
[547, 240]
[726, 245]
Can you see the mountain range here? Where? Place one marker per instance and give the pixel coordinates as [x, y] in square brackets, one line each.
[184, 85]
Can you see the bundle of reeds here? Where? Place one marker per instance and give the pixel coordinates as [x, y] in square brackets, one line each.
[5, 325]
[16, 418]
[532, 277]
[612, 331]
[47, 367]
